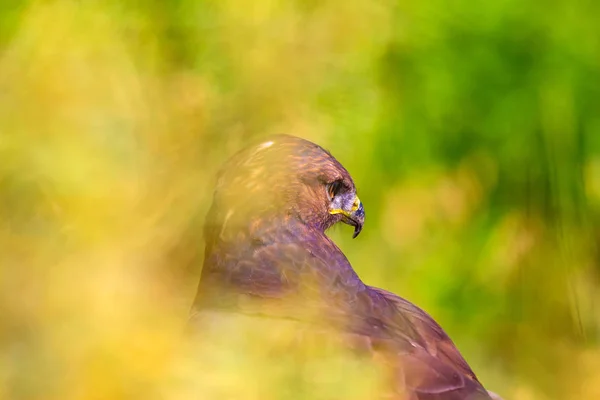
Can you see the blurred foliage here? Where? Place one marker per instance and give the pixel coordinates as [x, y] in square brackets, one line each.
[471, 129]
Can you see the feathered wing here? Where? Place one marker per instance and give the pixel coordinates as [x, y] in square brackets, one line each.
[436, 341]
[422, 361]
[433, 368]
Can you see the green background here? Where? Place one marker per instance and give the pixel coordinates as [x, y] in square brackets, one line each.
[472, 131]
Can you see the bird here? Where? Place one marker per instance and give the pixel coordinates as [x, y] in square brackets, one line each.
[267, 255]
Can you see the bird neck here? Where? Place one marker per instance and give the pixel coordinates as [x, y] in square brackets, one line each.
[272, 259]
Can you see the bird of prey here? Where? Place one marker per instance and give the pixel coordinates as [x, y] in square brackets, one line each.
[266, 249]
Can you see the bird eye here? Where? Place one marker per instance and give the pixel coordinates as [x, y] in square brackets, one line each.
[334, 188]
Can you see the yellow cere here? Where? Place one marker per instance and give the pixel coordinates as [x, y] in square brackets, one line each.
[355, 206]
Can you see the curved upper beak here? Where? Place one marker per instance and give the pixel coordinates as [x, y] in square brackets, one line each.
[355, 218]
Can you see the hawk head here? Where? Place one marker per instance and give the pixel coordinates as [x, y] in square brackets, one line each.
[289, 177]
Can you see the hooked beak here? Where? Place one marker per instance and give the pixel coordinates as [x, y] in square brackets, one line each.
[355, 217]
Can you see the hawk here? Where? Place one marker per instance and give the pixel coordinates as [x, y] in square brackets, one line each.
[267, 255]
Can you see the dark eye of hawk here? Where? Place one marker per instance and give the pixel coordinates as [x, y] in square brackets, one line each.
[335, 188]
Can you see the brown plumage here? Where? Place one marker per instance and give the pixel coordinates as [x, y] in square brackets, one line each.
[267, 255]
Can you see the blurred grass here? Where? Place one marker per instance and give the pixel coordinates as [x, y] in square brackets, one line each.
[471, 130]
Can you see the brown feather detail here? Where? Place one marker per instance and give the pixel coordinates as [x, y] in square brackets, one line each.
[437, 342]
[267, 256]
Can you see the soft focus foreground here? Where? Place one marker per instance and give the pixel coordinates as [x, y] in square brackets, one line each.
[472, 133]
